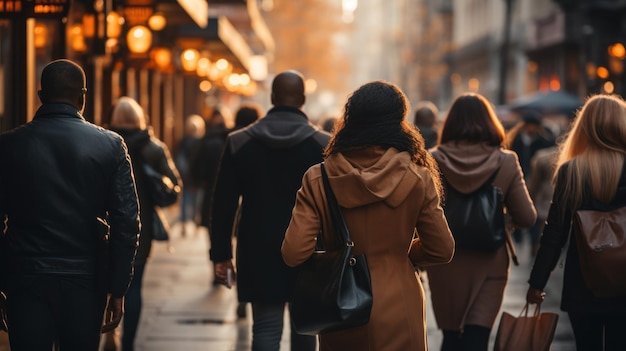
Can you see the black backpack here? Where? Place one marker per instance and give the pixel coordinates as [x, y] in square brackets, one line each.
[476, 219]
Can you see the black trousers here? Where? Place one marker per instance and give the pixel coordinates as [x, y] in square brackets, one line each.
[47, 310]
[596, 332]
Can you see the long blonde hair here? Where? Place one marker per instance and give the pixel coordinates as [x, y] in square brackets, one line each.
[596, 147]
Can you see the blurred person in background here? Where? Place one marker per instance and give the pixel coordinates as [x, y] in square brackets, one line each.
[69, 221]
[526, 138]
[247, 114]
[261, 168]
[190, 199]
[129, 120]
[467, 293]
[426, 121]
[207, 158]
[388, 187]
[590, 175]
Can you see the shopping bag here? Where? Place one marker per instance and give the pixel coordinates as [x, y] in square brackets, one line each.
[526, 333]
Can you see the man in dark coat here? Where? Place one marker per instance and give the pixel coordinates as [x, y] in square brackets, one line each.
[264, 164]
[66, 188]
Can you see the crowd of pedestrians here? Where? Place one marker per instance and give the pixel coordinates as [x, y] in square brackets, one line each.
[77, 218]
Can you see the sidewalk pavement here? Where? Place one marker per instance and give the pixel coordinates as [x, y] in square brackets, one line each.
[183, 311]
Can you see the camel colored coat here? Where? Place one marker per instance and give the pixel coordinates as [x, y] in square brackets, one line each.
[384, 198]
[469, 290]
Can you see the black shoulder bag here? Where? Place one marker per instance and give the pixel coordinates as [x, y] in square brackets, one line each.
[333, 289]
[476, 220]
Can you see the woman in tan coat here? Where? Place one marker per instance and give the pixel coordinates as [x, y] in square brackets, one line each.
[387, 186]
[467, 293]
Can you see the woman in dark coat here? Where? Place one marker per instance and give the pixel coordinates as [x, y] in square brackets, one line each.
[128, 119]
[467, 293]
[591, 175]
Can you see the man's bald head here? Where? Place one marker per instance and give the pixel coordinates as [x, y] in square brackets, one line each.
[288, 89]
[62, 81]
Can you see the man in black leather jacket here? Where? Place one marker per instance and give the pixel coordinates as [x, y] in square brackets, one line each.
[66, 189]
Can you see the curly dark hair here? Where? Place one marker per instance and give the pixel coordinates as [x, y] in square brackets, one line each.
[376, 115]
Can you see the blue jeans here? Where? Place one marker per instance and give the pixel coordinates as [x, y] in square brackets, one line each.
[189, 205]
[267, 329]
[132, 309]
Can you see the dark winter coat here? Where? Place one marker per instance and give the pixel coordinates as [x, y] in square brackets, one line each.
[144, 147]
[264, 164]
[576, 296]
[63, 180]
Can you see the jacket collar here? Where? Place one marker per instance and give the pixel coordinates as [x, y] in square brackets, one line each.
[58, 110]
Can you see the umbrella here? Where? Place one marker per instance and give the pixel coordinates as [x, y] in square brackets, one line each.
[560, 102]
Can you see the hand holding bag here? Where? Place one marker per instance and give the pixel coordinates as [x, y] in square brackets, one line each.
[524, 333]
[333, 290]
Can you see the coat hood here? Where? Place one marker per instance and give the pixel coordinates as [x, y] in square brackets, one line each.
[134, 138]
[282, 128]
[467, 166]
[370, 175]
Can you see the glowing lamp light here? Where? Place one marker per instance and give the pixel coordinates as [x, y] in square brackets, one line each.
[205, 86]
[162, 57]
[310, 86]
[189, 59]
[602, 72]
[203, 65]
[139, 39]
[114, 25]
[617, 50]
[40, 34]
[157, 22]
[77, 40]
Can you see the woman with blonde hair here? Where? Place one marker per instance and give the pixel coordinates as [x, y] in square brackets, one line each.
[591, 175]
[467, 293]
[129, 120]
[387, 186]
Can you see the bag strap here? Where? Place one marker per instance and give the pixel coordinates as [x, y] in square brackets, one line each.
[335, 212]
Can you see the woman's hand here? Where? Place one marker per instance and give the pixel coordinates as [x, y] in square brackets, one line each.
[535, 295]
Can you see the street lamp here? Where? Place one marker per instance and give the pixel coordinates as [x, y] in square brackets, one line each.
[139, 39]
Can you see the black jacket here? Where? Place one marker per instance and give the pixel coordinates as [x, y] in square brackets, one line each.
[63, 180]
[264, 164]
[143, 147]
[575, 296]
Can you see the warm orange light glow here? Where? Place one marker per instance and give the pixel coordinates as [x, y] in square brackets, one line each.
[617, 50]
[203, 66]
[157, 22]
[532, 66]
[114, 24]
[139, 39]
[77, 40]
[162, 57]
[205, 86]
[310, 86]
[608, 87]
[555, 84]
[602, 72]
[189, 59]
[89, 25]
[473, 84]
[40, 32]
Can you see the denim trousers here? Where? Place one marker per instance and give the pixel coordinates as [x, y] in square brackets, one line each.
[267, 329]
[132, 309]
